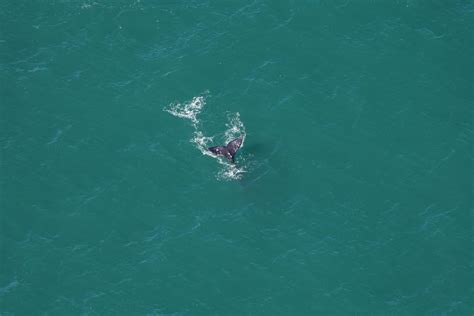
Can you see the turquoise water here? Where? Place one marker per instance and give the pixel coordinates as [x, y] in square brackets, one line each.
[352, 193]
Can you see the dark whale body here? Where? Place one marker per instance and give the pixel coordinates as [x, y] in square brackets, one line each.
[228, 151]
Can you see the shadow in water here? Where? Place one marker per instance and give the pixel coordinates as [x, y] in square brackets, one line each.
[260, 160]
[267, 182]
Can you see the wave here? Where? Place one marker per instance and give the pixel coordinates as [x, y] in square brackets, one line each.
[235, 128]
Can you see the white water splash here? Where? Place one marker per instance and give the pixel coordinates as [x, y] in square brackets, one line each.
[202, 143]
[235, 128]
[188, 110]
[230, 171]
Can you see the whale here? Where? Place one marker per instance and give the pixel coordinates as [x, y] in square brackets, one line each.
[230, 150]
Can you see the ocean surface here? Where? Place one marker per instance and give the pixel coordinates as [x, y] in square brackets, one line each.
[351, 195]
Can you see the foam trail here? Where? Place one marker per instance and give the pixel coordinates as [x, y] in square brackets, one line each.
[230, 171]
[202, 142]
[188, 110]
[235, 128]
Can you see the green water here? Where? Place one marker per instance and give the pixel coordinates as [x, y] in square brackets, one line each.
[355, 191]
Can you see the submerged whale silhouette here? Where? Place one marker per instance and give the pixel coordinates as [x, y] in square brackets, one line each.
[228, 151]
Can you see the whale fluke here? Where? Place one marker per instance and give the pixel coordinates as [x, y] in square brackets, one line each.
[228, 151]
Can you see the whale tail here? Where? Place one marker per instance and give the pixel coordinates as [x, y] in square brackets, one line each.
[230, 150]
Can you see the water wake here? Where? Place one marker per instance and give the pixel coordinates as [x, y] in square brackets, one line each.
[235, 128]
